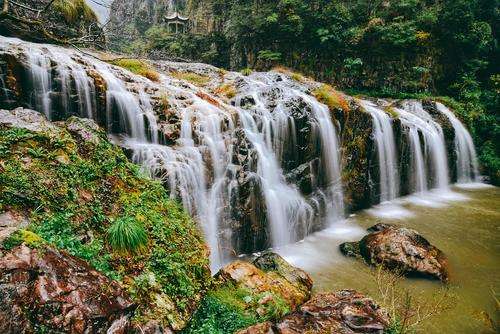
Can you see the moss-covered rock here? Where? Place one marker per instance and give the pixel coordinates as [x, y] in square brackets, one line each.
[246, 294]
[72, 184]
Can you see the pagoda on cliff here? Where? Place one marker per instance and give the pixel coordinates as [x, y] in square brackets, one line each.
[176, 23]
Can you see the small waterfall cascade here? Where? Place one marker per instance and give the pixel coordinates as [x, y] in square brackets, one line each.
[383, 134]
[266, 105]
[431, 152]
[59, 80]
[467, 166]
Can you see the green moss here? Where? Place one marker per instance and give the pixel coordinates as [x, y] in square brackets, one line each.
[22, 236]
[73, 201]
[195, 79]
[138, 67]
[229, 308]
[392, 112]
[330, 97]
[227, 90]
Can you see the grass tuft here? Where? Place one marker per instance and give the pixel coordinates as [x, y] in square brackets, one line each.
[127, 235]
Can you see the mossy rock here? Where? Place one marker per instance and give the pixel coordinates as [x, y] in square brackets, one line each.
[72, 184]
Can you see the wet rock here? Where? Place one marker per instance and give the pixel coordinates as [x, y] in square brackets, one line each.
[26, 119]
[343, 312]
[262, 328]
[278, 279]
[350, 249]
[272, 262]
[10, 222]
[84, 130]
[52, 289]
[400, 249]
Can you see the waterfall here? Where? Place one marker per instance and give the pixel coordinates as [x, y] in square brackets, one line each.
[386, 149]
[271, 139]
[41, 79]
[467, 166]
[419, 122]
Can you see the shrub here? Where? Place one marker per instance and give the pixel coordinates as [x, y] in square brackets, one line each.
[246, 71]
[127, 235]
[72, 10]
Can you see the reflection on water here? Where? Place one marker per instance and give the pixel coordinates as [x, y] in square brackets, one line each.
[463, 223]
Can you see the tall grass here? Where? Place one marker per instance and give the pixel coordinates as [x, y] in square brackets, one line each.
[127, 235]
[73, 10]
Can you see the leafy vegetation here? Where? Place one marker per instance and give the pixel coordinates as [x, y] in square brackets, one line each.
[229, 308]
[83, 196]
[73, 10]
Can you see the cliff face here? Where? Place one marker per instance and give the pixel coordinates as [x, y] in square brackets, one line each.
[130, 20]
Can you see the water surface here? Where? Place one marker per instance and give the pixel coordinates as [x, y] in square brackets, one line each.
[464, 223]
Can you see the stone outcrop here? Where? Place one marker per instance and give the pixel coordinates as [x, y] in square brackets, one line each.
[342, 312]
[52, 290]
[268, 273]
[400, 249]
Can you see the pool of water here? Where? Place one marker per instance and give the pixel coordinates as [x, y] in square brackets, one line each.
[464, 223]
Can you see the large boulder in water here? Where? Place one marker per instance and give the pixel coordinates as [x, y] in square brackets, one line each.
[50, 289]
[400, 249]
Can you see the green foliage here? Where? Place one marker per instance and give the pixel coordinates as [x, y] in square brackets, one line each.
[86, 198]
[216, 317]
[74, 10]
[229, 308]
[246, 71]
[127, 235]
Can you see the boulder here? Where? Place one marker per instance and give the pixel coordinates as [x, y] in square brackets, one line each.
[400, 249]
[272, 262]
[342, 312]
[283, 281]
[52, 290]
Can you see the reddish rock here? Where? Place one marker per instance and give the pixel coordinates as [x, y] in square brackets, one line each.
[262, 328]
[401, 249]
[269, 274]
[343, 312]
[49, 288]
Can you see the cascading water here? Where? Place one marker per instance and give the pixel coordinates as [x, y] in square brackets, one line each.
[275, 138]
[467, 166]
[269, 125]
[418, 121]
[387, 156]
